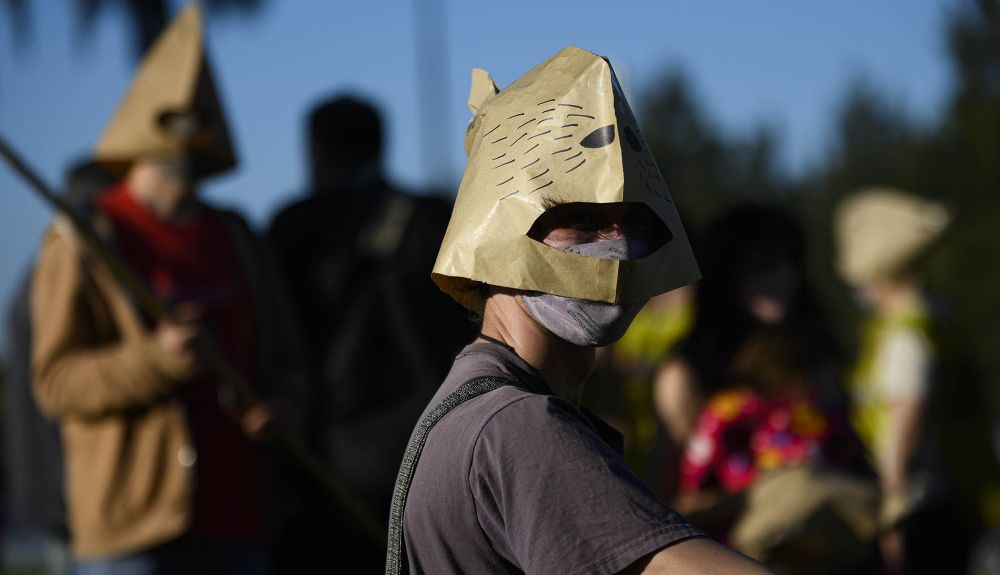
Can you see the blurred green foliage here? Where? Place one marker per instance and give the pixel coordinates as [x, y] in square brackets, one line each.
[955, 158]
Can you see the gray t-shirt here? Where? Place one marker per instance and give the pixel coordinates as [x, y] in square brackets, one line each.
[520, 481]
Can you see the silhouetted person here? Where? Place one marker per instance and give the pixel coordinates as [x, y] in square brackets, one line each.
[357, 255]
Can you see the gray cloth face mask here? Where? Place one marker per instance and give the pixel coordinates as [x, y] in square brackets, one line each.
[583, 322]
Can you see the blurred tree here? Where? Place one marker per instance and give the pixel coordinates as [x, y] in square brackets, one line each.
[874, 142]
[954, 157]
[18, 11]
[686, 146]
[712, 170]
[145, 18]
[972, 129]
[965, 159]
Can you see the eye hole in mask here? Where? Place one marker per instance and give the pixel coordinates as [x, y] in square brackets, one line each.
[635, 224]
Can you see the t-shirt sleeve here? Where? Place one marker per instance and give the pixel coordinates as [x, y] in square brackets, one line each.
[554, 498]
[904, 366]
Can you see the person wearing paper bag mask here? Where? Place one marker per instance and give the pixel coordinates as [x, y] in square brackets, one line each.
[162, 458]
[562, 230]
[881, 234]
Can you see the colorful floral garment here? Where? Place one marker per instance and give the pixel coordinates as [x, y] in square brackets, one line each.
[741, 433]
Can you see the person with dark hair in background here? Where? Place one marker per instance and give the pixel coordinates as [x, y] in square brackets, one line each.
[753, 258]
[356, 254]
[161, 455]
[33, 456]
[775, 469]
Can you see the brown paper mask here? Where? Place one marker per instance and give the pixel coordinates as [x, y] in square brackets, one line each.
[174, 77]
[561, 133]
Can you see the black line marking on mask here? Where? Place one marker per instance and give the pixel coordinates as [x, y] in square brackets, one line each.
[563, 137]
[540, 187]
[577, 166]
[505, 181]
[500, 140]
[600, 137]
[580, 116]
[549, 110]
[544, 120]
[572, 106]
[502, 198]
[518, 139]
[576, 155]
[532, 163]
[510, 161]
[539, 175]
[491, 131]
[545, 102]
[541, 134]
[516, 115]
[563, 150]
[529, 149]
[568, 125]
[526, 123]
[498, 157]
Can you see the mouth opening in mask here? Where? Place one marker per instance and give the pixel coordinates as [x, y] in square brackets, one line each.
[621, 231]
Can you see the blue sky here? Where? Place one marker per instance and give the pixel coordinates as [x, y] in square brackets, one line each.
[784, 62]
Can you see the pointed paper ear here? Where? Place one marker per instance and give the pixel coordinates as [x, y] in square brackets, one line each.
[482, 90]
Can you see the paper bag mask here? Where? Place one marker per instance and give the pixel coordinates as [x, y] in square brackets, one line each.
[881, 230]
[561, 133]
[174, 78]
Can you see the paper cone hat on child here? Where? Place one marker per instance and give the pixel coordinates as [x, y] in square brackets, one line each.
[174, 78]
[562, 133]
[881, 230]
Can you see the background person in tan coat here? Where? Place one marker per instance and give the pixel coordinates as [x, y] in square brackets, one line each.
[161, 468]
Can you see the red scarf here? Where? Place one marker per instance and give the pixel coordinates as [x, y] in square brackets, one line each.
[195, 262]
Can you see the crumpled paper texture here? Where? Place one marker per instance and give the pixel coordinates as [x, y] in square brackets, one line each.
[561, 133]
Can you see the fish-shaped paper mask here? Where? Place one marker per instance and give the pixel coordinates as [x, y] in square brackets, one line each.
[562, 133]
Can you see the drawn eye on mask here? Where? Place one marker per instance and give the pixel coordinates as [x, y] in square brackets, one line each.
[599, 138]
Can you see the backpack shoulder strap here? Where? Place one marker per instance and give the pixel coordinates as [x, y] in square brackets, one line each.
[396, 562]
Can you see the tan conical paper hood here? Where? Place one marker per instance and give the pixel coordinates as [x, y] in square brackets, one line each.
[174, 77]
[561, 133]
[880, 230]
